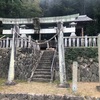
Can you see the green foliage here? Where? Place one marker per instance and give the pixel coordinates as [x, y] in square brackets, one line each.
[73, 53]
[67, 7]
[19, 8]
[39, 8]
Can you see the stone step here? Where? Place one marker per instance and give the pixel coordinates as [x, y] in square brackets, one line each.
[41, 76]
[41, 80]
[44, 67]
[48, 54]
[44, 62]
[44, 54]
[42, 73]
[45, 70]
[46, 58]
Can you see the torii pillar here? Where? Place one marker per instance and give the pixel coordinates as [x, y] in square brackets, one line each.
[62, 69]
[11, 71]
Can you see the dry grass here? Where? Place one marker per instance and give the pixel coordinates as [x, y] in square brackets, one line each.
[84, 89]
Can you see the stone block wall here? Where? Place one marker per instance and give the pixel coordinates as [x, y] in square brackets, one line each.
[4, 62]
[88, 70]
[26, 59]
[43, 97]
[88, 67]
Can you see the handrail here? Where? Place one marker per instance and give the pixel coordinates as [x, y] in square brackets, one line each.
[80, 41]
[21, 42]
[74, 41]
[34, 68]
[52, 68]
[81, 37]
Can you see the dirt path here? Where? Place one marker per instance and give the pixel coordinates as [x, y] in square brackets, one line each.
[87, 89]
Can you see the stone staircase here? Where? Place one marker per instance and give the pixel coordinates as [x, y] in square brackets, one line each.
[43, 71]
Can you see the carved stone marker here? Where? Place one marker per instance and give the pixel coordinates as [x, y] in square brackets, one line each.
[74, 76]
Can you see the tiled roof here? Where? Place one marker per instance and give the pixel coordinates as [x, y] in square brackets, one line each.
[83, 18]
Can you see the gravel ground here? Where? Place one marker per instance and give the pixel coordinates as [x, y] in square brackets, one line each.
[84, 89]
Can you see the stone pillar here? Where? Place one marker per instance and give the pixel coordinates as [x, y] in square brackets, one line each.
[62, 70]
[98, 87]
[74, 76]
[16, 32]
[11, 71]
[99, 54]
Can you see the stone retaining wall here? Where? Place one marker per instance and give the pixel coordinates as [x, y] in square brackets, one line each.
[26, 59]
[88, 67]
[43, 97]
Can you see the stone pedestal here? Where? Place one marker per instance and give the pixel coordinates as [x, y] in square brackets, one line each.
[98, 88]
[10, 83]
[66, 85]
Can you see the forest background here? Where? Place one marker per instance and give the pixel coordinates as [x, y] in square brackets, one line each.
[48, 8]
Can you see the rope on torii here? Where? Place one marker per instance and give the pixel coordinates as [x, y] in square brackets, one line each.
[2, 37]
[39, 43]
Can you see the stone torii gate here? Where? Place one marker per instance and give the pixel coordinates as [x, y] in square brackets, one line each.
[60, 30]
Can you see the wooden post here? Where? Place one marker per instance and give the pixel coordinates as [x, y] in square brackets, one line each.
[69, 41]
[65, 42]
[73, 39]
[22, 42]
[4, 43]
[11, 42]
[86, 42]
[82, 40]
[39, 36]
[94, 42]
[7, 42]
[47, 45]
[99, 54]
[18, 42]
[90, 44]
[25, 42]
[82, 32]
[29, 41]
[77, 42]
[74, 76]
